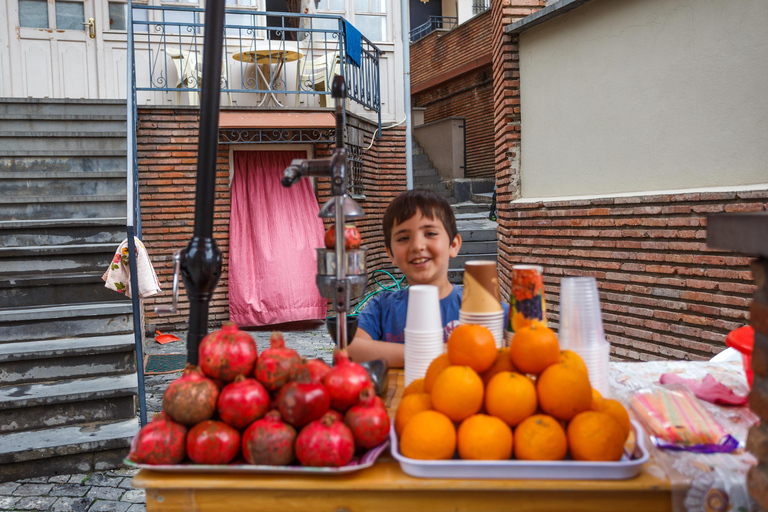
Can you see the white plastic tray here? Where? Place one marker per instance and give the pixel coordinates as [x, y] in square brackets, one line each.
[628, 467]
[356, 464]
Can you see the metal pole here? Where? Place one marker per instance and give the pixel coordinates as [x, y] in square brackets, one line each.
[201, 259]
[405, 14]
[138, 335]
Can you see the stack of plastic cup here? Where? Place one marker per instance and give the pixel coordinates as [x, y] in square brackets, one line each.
[423, 331]
[581, 328]
[480, 302]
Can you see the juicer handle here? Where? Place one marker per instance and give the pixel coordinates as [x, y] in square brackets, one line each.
[160, 310]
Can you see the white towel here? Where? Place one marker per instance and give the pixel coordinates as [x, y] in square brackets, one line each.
[118, 275]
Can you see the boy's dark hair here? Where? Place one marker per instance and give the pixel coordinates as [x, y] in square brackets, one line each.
[408, 203]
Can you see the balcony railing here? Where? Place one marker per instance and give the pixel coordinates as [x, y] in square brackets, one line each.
[434, 23]
[271, 59]
[479, 6]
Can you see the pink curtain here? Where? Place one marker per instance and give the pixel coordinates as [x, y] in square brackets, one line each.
[272, 239]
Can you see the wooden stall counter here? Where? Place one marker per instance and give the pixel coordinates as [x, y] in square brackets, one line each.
[384, 487]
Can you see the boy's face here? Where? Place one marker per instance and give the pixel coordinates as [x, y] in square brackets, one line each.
[420, 248]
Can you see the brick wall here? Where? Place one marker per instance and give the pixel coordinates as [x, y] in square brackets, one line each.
[167, 163]
[455, 67]
[664, 294]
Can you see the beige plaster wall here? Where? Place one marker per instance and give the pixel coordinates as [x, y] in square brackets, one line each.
[638, 95]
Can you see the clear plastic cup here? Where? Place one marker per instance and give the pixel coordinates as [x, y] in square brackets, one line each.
[581, 323]
[423, 312]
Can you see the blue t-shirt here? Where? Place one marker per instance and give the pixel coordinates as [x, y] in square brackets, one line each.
[384, 316]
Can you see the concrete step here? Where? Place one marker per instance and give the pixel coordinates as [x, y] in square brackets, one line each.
[31, 290]
[61, 107]
[59, 123]
[62, 207]
[484, 197]
[63, 450]
[477, 235]
[470, 207]
[61, 141]
[472, 247]
[460, 260]
[32, 233]
[65, 321]
[55, 184]
[61, 153]
[425, 170]
[435, 187]
[420, 181]
[90, 258]
[456, 275]
[60, 163]
[67, 391]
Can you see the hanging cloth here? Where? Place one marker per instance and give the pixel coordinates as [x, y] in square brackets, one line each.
[118, 275]
[354, 43]
[273, 233]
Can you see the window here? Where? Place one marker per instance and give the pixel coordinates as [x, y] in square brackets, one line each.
[371, 19]
[181, 22]
[327, 7]
[33, 13]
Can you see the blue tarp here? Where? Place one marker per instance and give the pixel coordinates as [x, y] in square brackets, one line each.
[354, 43]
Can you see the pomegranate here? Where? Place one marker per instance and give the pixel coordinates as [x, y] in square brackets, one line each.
[325, 442]
[191, 398]
[368, 421]
[227, 353]
[345, 381]
[336, 414]
[277, 365]
[269, 441]
[352, 239]
[212, 442]
[302, 400]
[242, 402]
[317, 369]
[160, 441]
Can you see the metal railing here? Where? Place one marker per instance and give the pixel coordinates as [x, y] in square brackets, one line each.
[479, 6]
[434, 23]
[285, 59]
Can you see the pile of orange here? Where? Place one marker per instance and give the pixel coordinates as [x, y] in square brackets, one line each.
[531, 401]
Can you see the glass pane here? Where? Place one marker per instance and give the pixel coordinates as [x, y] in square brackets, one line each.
[117, 16]
[331, 5]
[181, 22]
[378, 6]
[70, 16]
[370, 6]
[239, 25]
[372, 27]
[33, 13]
[320, 24]
[140, 15]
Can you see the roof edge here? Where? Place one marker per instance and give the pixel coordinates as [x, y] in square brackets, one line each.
[544, 15]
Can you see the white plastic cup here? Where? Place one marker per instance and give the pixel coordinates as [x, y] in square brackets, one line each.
[596, 357]
[581, 323]
[423, 312]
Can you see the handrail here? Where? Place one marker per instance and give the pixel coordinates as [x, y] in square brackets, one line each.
[434, 23]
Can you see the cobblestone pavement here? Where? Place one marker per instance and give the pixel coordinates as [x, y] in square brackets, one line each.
[111, 491]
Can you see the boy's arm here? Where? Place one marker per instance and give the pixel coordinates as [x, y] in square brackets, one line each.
[364, 348]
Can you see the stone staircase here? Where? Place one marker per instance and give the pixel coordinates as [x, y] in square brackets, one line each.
[478, 236]
[425, 175]
[68, 380]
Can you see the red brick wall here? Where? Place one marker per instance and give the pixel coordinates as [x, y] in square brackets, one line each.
[167, 162]
[664, 294]
[469, 95]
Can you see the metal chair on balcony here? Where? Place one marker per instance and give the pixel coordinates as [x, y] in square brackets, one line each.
[317, 74]
[189, 70]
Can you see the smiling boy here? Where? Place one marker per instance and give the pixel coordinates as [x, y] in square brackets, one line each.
[420, 237]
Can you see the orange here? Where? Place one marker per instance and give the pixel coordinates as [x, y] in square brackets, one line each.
[429, 436]
[417, 386]
[534, 348]
[473, 346]
[597, 399]
[502, 364]
[615, 410]
[563, 391]
[595, 436]
[540, 437]
[458, 392]
[409, 407]
[483, 437]
[511, 397]
[435, 368]
[571, 358]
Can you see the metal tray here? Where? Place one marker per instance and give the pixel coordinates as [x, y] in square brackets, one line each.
[628, 467]
[356, 464]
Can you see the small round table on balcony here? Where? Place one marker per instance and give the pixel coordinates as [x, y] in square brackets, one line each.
[264, 57]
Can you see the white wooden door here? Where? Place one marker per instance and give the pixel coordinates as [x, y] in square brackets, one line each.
[54, 51]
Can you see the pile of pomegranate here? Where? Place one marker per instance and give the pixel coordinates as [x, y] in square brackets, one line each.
[272, 409]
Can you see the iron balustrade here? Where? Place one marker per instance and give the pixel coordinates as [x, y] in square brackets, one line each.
[479, 6]
[434, 23]
[294, 56]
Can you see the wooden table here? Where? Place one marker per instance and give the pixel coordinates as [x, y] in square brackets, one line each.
[263, 57]
[384, 487]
